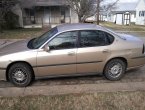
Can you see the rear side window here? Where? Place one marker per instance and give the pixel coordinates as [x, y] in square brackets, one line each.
[110, 38]
[91, 38]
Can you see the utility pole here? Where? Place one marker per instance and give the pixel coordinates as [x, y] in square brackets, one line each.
[98, 11]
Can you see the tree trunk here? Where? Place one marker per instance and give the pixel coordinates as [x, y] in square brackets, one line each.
[1, 29]
[80, 19]
[98, 11]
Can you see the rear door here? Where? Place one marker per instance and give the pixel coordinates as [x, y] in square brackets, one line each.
[93, 51]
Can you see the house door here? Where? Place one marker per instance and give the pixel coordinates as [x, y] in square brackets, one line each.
[119, 19]
[47, 14]
[127, 19]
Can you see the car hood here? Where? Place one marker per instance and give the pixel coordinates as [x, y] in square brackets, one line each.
[18, 46]
[128, 37]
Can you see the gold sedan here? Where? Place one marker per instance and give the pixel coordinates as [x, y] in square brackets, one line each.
[71, 50]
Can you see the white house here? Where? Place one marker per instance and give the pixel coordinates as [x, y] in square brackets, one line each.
[123, 14]
[140, 13]
[41, 13]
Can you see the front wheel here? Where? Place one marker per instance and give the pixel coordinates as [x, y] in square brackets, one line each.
[115, 69]
[20, 74]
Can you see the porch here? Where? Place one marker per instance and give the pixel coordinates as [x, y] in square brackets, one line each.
[44, 16]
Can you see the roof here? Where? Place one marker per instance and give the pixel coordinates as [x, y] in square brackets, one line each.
[124, 7]
[77, 26]
[139, 2]
[31, 3]
[50, 2]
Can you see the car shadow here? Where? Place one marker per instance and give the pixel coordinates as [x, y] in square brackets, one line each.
[69, 80]
[72, 80]
[132, 70]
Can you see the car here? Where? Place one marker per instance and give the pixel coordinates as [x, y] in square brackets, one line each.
[71, 50]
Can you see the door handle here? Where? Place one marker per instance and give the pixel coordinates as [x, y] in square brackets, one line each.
[71, 53]
[105, 51]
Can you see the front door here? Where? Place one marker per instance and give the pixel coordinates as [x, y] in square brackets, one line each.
[93, 50]
[61, 58]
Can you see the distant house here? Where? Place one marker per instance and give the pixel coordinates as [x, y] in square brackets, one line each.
[140, 13]
[38, 13]
[123, 14]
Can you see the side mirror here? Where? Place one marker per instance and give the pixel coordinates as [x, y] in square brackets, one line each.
[46, 48]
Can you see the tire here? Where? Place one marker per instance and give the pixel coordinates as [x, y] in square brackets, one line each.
[115, 69]
[20, 74]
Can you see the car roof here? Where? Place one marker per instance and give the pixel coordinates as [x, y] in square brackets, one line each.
[77, 26]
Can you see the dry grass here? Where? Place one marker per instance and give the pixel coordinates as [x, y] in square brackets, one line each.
[21, 33]
[96, 101]
[123, 27]
[29, 33]
[135, 30]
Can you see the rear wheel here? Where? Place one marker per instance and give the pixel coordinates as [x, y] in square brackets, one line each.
[20, 74]
[115, 69]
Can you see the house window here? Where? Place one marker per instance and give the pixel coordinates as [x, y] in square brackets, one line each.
[139, 13]
[142, 13]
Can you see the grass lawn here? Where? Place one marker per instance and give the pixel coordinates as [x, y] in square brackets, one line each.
[134, 30]
[123, 27]
[94, 101]
[29, 33]
[21, 33]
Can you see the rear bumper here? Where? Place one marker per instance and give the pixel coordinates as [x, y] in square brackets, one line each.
[136, 61]
[3, 74]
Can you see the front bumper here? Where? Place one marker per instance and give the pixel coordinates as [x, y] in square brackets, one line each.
[3, 74]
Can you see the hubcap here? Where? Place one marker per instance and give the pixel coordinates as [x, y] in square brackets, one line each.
[19, 75]
[115, 70]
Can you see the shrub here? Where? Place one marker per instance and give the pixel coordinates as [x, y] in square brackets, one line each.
[11, 21]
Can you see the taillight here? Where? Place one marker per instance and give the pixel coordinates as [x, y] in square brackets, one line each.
[143, 50]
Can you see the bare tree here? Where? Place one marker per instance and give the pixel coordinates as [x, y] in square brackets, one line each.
[83, 8]
[104, 8]
[87, 8]
[109, 6]
[98, 10]
[5, 7]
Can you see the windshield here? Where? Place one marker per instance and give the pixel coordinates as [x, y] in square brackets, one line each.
[37, 42]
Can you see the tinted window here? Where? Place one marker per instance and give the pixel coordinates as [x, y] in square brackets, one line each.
[37, 42]
[92, 38]
[109, 37]
[65, 40]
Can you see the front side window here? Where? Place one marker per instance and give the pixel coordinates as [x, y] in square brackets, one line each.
[64, 40]
[91, 38]
[37, 42]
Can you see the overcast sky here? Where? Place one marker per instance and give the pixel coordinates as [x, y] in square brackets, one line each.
[128, 0]
[123, 0]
